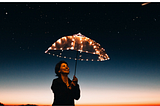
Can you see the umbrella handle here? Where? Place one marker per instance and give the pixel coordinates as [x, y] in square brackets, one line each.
[76, 64]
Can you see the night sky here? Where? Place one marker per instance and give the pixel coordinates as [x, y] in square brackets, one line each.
[129, 32]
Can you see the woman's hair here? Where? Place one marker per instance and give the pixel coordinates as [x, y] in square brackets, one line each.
[57, 68]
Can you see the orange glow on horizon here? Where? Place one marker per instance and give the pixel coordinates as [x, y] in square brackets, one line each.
[106, 96]
[90, 104]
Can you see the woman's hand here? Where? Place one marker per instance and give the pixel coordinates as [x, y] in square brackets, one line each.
[74, 81]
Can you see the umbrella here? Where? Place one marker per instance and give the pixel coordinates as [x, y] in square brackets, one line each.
[87, 49]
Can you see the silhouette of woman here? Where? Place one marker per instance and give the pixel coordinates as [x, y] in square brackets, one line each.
[65, 90]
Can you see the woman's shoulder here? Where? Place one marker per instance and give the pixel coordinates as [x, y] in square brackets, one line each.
[57, 80]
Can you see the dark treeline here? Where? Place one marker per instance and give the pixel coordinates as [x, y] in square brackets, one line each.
[1, 104]
[28, 105]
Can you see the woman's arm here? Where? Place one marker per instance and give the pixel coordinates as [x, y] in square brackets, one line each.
[75, 88]
[76, 92]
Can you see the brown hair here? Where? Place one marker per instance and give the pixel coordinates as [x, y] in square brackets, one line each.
[57, 68]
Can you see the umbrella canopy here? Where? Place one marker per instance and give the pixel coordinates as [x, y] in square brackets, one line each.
[88, 48]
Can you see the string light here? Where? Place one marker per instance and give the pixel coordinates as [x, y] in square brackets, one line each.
[72, 43]
[59, 40]
[64, 38]
[80, 43]
[72, 48]
[54, 44]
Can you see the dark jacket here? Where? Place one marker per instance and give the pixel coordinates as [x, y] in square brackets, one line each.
[62, 94]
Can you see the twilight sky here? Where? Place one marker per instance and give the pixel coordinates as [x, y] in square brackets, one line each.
[129, 32]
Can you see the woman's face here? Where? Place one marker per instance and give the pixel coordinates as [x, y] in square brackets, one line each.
[64, 68]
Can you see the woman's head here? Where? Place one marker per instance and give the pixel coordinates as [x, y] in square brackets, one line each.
[61, 68]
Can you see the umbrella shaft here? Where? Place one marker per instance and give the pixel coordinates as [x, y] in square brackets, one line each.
[76, 63]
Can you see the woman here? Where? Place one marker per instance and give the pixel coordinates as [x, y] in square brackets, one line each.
[65, 90]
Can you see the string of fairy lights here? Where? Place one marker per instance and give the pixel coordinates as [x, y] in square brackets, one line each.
[80, 43]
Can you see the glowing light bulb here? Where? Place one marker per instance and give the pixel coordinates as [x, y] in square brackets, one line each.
[72, 48]
[59, 40]
[79, 33]
[97, 52]
[64, 38]
[73, 40]
[46, 51]
[49, 48]
[72, 43]
[54, 44]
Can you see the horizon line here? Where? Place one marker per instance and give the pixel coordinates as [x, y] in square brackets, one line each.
[131, 104]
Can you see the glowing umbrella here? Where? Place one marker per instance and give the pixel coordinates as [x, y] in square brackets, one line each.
[88, 48]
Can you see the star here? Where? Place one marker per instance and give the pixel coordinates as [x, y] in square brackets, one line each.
[6, 13]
